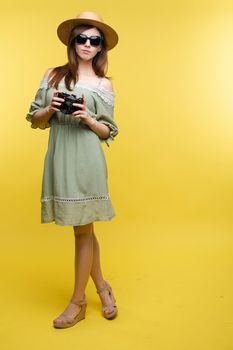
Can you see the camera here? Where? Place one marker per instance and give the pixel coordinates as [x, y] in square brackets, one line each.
[67, 107]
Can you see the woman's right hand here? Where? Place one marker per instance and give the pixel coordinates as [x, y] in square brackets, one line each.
[55, 101]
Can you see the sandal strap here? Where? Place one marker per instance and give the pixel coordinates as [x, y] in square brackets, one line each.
[106, 287]
[104, 308]
[109, 289]
[79, 302]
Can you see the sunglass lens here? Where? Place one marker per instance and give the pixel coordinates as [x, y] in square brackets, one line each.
[81, 39]
[95, 40]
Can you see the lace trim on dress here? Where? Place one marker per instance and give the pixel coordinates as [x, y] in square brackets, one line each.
[74, 200]
[106, 95]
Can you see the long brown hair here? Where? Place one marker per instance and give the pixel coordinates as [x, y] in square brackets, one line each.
[69, 71]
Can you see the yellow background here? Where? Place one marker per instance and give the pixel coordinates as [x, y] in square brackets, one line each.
[168, 252]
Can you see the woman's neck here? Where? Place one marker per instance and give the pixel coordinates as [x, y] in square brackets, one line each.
[86, 69]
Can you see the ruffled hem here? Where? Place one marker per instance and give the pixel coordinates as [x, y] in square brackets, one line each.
[36, 105]
[74, 213]
[36, 126]
[113, 133]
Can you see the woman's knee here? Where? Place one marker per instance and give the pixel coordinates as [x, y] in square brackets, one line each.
[83, 229]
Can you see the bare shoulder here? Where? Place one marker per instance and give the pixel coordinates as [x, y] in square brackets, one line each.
[107, 84]
[48, 73]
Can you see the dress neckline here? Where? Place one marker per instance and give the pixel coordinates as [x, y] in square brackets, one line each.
[82, 83]
[87, 84]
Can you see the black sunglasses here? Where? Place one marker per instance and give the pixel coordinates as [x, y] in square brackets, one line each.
[95, 40]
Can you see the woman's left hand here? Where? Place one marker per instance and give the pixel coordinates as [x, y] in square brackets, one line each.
[82, 113]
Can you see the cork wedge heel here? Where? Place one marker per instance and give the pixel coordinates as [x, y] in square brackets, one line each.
[71, 322]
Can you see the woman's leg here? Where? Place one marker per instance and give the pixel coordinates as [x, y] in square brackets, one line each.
[83, 263]
[97, 276]
[96, 272]
[83, 258]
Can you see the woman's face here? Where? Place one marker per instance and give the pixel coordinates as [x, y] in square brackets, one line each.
[86, 51]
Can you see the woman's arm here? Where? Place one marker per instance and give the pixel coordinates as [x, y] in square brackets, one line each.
[100, 129]
[43, 115]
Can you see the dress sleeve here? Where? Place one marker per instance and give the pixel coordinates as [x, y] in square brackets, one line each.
[105, 113]
[38, 103]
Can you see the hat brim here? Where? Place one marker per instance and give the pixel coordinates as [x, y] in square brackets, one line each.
[65, 28]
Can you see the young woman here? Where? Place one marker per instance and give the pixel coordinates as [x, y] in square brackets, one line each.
[74, 186]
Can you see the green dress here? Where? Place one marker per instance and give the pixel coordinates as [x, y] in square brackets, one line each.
[74, 185]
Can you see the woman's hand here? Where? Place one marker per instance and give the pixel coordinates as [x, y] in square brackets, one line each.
[82, 114]
[103, 131]
[56, 101]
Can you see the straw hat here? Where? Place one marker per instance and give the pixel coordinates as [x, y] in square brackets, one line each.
[92, 18]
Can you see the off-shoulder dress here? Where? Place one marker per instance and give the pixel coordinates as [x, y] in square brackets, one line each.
[75, 177]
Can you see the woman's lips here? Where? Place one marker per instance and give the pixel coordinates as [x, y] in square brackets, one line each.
[86, 51]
